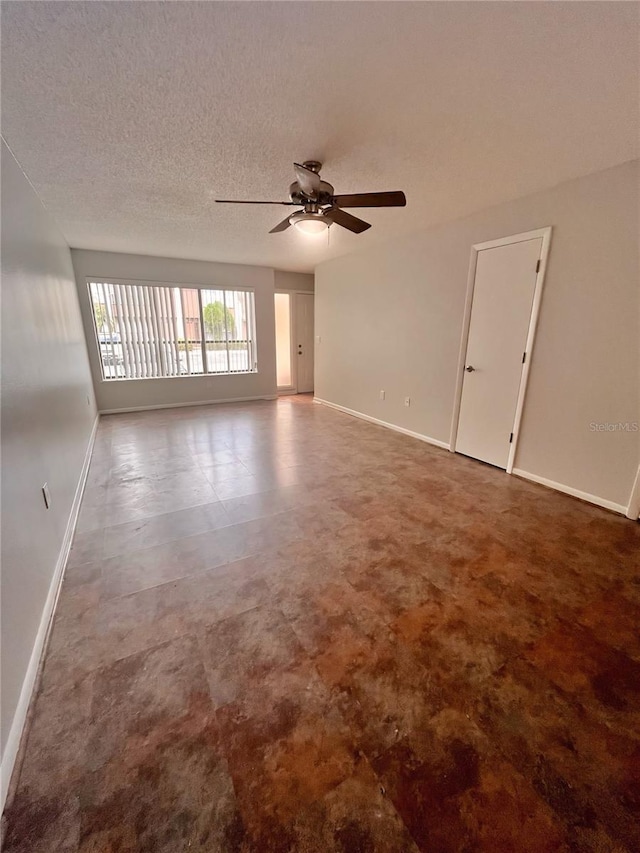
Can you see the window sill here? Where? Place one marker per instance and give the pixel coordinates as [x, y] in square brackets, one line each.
[172, 378]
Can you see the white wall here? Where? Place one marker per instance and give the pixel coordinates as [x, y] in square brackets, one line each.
[48, 411]
[391, 318]
[194, 389]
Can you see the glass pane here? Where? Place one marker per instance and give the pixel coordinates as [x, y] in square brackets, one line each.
[189, 330]
[108, 337]
[228, 330]
[218, 325]
[283, 339]
[239, 330]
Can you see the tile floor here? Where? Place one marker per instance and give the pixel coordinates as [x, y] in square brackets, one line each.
[283, 629]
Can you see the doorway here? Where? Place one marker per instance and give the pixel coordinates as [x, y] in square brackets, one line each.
[294, 341]
[503, 300]
[284, 360]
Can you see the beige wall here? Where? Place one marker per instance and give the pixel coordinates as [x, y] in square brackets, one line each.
[391, 318]
[48, 411]
[182, 390]
[285, 280]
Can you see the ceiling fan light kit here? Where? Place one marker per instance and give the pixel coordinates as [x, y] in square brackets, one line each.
[309, 223]
[320, 207]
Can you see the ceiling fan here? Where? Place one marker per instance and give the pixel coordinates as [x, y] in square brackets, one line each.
[320, 207]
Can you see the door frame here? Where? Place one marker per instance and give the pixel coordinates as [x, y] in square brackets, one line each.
[545, 234]
[293, 334]
[633, 509]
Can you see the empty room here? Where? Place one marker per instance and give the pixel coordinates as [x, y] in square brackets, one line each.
[320, 427]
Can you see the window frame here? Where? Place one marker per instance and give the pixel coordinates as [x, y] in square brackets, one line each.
[199, 286]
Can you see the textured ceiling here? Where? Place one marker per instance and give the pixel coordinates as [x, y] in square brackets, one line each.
[130, 118]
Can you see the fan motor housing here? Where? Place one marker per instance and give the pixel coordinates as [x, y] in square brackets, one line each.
[323, 196]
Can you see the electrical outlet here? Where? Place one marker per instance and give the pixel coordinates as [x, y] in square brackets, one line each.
[382, 395]
[407, 401]
[319, 339]
[88, 401]
[46, 496]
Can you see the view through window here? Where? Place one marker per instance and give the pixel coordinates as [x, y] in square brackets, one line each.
[145, 331]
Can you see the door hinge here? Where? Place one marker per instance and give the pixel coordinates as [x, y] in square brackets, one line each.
[510, 438]
[524, 357]
[538, 265]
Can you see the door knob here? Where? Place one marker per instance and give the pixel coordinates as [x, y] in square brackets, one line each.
[469, 369]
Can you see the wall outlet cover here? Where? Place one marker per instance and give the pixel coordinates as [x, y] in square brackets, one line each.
[407, 401]
[382, 395]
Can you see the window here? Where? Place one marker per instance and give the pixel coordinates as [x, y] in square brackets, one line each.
[149, 331]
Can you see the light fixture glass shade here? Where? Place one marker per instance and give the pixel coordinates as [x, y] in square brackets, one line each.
[313, 225]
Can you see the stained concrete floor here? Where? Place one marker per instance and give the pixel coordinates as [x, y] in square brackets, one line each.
[283, 629]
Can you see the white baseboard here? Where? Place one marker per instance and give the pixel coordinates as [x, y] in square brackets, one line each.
[12, 746]
[185, 405]
[633, 510]
[394, 427]
[569, 490]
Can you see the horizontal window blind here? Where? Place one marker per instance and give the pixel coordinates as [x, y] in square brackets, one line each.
[146, 331]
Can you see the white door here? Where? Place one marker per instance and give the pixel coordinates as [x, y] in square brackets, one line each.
[503, 293]
[304, 342]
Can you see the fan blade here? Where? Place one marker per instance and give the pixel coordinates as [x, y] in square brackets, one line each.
[281, 226]
[351, 223]
[393, 199]
[234, 201]
[308, 181]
